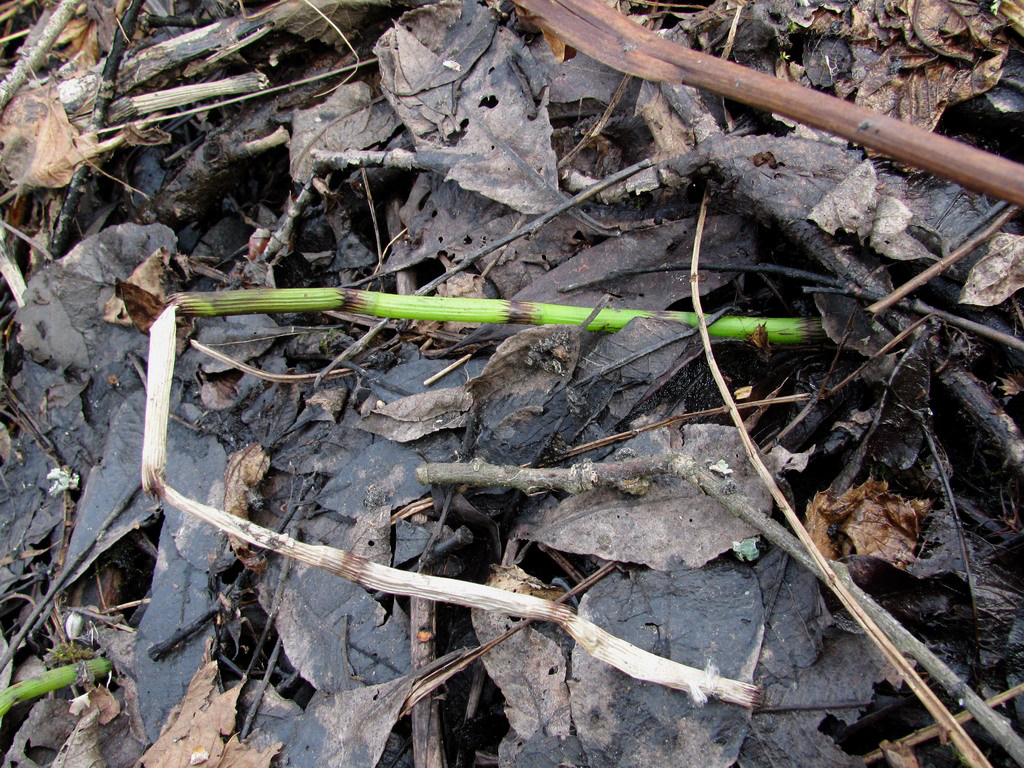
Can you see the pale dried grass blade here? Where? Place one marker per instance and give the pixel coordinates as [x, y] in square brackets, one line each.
[699, 683]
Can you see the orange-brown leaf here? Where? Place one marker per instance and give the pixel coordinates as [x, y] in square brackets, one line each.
[866, 520]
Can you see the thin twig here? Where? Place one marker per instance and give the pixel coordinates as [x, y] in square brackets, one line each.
[926, 309]
[967, 748]
[954, 513]
[104, 95]
[965, 249]
[629, 434]
[286, 226]
[932, 731]
[29, 59]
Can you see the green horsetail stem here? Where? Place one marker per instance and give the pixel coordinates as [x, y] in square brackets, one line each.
[778, 330]
[52, 680]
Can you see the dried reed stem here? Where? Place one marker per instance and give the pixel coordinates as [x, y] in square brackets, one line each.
[618, 653]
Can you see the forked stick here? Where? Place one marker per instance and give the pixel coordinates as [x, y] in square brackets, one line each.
[636, 662]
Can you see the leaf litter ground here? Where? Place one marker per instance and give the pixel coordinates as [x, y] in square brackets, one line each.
[287, 660]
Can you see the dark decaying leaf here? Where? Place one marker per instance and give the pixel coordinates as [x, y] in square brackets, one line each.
[349, 118]
[896, 433]
[350, 726]
[27, 513]
[463, 87]
[857, 205]
[844, 674]
[530, 669]
[781, 193]
[623, 266]
[801, 666]
[186, 554]
[241, 338]
[331, 21]
[670, 525]
[412, 417]
[618, 371]
[324, 620]
[61, 322]
[49, 727]
[867, 520]
[699, 617]
[521, 397]
[444, 219]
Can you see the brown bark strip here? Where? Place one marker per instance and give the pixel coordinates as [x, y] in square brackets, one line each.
[615, 40]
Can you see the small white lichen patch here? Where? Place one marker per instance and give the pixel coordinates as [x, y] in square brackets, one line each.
[721, 467]
[62, 479]
[746, 550]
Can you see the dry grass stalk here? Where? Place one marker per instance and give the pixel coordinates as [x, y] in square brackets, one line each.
[968, 749]
[624, 656]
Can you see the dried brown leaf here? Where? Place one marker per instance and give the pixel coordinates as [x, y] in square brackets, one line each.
[306, 18]
[999, 273]
[82, 749]
[914, 58]
[41, 147]
[199, 725]
[140, 299]
[561, 50]
[81, 36]
[244, 472]
[899, 755]
[1012, 384]
[417, 415]
[866, 520]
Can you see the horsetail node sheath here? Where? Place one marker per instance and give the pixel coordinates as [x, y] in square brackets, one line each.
[778, 330]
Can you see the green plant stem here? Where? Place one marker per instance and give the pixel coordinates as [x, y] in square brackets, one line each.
[52, 680]
[778, 330]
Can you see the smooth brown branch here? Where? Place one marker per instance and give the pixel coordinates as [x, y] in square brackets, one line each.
[618, 41]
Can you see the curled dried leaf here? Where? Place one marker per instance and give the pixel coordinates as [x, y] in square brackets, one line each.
[866, 520]
[41, 148]
[998, 274]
